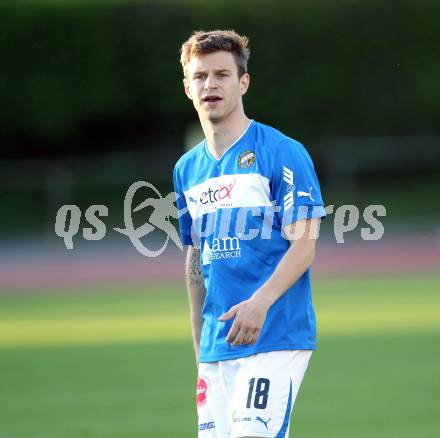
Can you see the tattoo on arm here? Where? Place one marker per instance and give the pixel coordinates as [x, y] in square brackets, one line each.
[193, 269]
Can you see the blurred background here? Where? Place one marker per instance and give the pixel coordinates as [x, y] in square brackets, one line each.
[95, 341]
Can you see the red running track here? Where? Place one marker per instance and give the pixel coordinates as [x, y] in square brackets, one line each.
[58, 269]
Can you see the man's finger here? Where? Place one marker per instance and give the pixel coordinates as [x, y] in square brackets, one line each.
[249, 338]
[233, 332]
[229, 314]
[253, 336]
[240, 338]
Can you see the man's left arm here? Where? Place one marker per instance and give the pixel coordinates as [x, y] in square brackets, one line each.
[251, 314]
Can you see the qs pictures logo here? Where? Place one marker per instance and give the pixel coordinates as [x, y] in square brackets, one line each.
[68, 220]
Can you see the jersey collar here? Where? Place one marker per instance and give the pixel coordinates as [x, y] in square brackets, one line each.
[211, 157]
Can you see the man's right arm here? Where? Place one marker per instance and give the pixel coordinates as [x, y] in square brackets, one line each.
[196, 294]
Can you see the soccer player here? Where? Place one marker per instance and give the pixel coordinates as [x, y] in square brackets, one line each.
[250, 208]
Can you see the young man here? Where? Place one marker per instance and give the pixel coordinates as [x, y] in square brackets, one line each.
[251, 205]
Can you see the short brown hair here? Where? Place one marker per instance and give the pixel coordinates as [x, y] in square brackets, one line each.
[202, 43]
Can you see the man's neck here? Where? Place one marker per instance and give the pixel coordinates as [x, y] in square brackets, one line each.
[221, 136]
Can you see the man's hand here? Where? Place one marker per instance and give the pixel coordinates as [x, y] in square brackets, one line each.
[249, 319]
[251, 314]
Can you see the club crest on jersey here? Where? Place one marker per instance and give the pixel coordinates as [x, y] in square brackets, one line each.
[246, 159]
[288, 179]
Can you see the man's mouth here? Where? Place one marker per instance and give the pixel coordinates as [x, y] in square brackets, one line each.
[212, 98]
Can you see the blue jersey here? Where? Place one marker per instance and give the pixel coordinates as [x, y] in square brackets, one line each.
[234, 209]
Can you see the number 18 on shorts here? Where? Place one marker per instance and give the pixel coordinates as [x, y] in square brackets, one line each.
[250, 396]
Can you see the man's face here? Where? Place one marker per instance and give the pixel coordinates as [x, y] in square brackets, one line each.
[212, 83]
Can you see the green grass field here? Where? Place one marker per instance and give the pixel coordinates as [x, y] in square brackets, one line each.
[119, 363]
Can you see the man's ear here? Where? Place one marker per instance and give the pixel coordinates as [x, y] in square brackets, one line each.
[186, 87]
[244, 83]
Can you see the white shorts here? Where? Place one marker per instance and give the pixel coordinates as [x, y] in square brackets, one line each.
[250, 397]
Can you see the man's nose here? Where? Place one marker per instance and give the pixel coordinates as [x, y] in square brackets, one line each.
[210, 82]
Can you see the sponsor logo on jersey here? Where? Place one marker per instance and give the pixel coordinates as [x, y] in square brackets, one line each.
[288, 179]
[202, 391]
[228, 191]
[222, 193]
[246, 159]
[306, 194]
[240, 417]
[221, 249]
[206, 426]
[262, 421]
